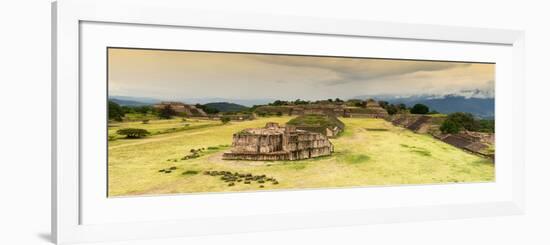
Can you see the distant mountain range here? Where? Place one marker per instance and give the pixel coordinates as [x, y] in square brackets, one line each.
[132, 101]
[477, 102]
[129, 102]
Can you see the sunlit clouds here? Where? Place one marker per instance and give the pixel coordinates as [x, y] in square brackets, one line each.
[183, 74]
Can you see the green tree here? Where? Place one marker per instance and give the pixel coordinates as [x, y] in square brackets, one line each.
[133, 133]
[301, 102]
[450, 127]
[127, 109]
[279, 103]
[487, 126]
[167, 112]
[392, 109]
[463, 120]
[115, 111]
[143, 109]
[225, 120]
[420, 109]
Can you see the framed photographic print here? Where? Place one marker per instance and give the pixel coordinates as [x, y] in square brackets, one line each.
[172, 122]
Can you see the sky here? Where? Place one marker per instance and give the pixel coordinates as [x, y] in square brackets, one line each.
[180, 75]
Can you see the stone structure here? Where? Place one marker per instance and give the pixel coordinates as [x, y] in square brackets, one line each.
[233, 117]
[327, 125]
[475, 142]
[368, 109]
[417, 123]
[274, 142]
[189, 110]
[467, 143]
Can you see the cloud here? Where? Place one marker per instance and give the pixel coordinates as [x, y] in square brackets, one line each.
[186, 74]
[348, 70]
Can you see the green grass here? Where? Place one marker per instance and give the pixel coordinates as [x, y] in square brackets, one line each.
[313, 120]
[355, 158]
[159, 126]
[388, 155]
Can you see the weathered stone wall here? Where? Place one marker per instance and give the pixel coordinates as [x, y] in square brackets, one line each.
[253, 143]
[371, 112]
[190, 110]
[276, 143]
[275, 156]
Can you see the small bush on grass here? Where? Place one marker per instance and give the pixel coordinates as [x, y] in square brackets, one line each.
[422, 152]
[190, 172]
[133, 133]
[377, 129]
[225, 120]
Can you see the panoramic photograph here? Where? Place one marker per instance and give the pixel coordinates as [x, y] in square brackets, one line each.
[183, 122]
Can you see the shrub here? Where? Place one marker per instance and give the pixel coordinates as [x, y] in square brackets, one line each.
[192, 172]
[392, 109]
[463, 120]
[450, 127]
[487, 126]
[420, 109]
[143, 109]
[225, 120]
[133, 133]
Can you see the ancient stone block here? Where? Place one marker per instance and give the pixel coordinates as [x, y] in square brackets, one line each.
[274, 142]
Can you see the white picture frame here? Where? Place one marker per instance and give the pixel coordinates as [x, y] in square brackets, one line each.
[68, 17]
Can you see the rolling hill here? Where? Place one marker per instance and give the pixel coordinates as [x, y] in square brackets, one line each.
[128, 102]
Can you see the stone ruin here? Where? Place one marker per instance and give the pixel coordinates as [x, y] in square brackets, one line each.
[327, 125]
[474, 142]
[190, 110]
[274, 142]
[416, 123]
[370, 109]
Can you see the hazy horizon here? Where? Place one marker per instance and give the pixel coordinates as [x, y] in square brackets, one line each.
[192, 75]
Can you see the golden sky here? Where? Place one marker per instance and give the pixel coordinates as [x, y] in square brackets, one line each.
[180, 75]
